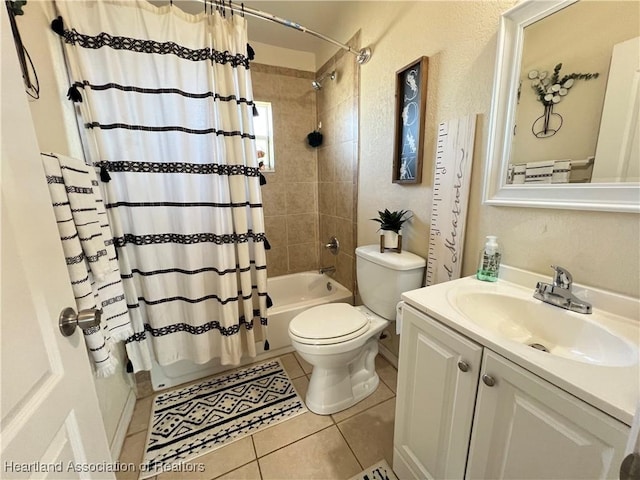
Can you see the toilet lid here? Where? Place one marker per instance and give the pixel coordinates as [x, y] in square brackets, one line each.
[329, 323]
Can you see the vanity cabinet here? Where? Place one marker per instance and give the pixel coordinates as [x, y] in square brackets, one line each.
[437, 385]
[493, 420]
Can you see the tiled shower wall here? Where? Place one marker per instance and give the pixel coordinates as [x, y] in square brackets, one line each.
[312, 194]
[338, 163]
[290, 195]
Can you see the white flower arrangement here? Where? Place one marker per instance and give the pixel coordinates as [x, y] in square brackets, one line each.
[550, 89]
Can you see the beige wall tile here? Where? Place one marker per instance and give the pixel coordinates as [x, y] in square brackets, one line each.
[277, 261]
[345, 271]
[302, 228]
[345, 233]
[303, 257]
[345, 162]
[327, 259]
[322, 455]
[273, 200]
[345, 117]
[302, 167]
[327, 228]
[344, 200]
[276, 230]
[301, 198]
[374, 423]
[327, 198]
[327, 163]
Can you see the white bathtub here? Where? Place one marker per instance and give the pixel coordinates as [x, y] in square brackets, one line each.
[291, 295]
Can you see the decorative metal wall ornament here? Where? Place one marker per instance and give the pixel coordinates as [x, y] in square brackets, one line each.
[550, 90]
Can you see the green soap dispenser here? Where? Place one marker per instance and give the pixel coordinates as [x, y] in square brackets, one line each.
[489, 264]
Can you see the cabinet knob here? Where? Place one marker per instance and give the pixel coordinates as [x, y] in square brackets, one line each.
[463, 366]
[488, 380]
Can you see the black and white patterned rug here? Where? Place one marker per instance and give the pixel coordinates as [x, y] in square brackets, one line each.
[379, 471]
[197, 419]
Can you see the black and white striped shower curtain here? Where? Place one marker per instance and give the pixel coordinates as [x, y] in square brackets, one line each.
[166, 100]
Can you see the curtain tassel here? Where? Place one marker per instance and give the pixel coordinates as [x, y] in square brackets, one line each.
[255, 111]
[73, 94]
[57, 25]
[266, 345]
[104, 174]
[269, 301]
[263, 180]
[251, 54]
[129, 366]
[267, 246]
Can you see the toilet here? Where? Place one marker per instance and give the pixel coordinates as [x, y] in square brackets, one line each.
[341, 341]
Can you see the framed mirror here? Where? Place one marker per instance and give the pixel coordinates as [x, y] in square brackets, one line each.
[535, 37]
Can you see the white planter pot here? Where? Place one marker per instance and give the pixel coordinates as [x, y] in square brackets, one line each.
[390, 239]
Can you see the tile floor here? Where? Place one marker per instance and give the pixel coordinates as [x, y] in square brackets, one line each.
[308, 446]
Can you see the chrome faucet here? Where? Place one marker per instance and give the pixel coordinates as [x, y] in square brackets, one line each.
[327, 270]
[559, 293]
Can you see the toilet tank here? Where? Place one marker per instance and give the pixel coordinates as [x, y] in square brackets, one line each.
[383, 277]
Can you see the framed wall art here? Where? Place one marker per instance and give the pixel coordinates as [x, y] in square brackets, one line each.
[411, 99]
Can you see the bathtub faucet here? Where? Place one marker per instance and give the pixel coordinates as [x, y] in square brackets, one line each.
[327, 270]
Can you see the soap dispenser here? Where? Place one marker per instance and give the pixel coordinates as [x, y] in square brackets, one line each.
[489, 263]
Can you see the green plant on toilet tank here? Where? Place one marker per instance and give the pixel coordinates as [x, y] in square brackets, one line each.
[391, 222]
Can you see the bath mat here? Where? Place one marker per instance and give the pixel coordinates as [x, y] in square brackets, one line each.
[195, 420]
[379, 471]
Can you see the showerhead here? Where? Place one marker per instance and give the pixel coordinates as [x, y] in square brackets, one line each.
[317, 84]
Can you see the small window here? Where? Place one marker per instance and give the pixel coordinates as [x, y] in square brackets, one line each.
[263, 129]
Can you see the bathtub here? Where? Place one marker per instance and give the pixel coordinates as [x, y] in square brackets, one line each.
[291, 295]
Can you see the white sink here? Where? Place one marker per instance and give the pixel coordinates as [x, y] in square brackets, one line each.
[528, 321]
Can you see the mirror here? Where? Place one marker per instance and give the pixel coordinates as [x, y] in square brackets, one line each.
[515, 111]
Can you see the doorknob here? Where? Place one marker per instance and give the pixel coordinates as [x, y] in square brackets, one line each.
[85, 319]
[630, 468]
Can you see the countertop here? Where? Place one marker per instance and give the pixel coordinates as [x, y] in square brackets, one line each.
[614, 390]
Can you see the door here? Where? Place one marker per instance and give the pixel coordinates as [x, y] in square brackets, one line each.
[526, 428]
[437, 384]
[51, 426]
[618, 148]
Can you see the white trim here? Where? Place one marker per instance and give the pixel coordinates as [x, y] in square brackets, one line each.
[123, 426]
[612, 197]
[388, 354]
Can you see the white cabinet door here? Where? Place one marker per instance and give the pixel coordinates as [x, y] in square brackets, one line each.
[51, 425]
[434, 407]
[526, 428]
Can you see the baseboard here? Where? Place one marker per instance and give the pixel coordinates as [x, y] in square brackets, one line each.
[386, 353]
[123, 426]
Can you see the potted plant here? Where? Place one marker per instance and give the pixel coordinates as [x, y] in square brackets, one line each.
[391, 224]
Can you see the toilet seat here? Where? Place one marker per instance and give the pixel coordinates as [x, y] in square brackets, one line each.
[329, 324]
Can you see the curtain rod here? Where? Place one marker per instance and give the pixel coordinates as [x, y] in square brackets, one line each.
[362, 56]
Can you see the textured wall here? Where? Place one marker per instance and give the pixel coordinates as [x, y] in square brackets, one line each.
[600, 249]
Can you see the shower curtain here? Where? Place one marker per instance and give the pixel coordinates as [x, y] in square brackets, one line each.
[166, 101]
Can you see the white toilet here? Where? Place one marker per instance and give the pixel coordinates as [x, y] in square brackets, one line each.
[341, 341]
